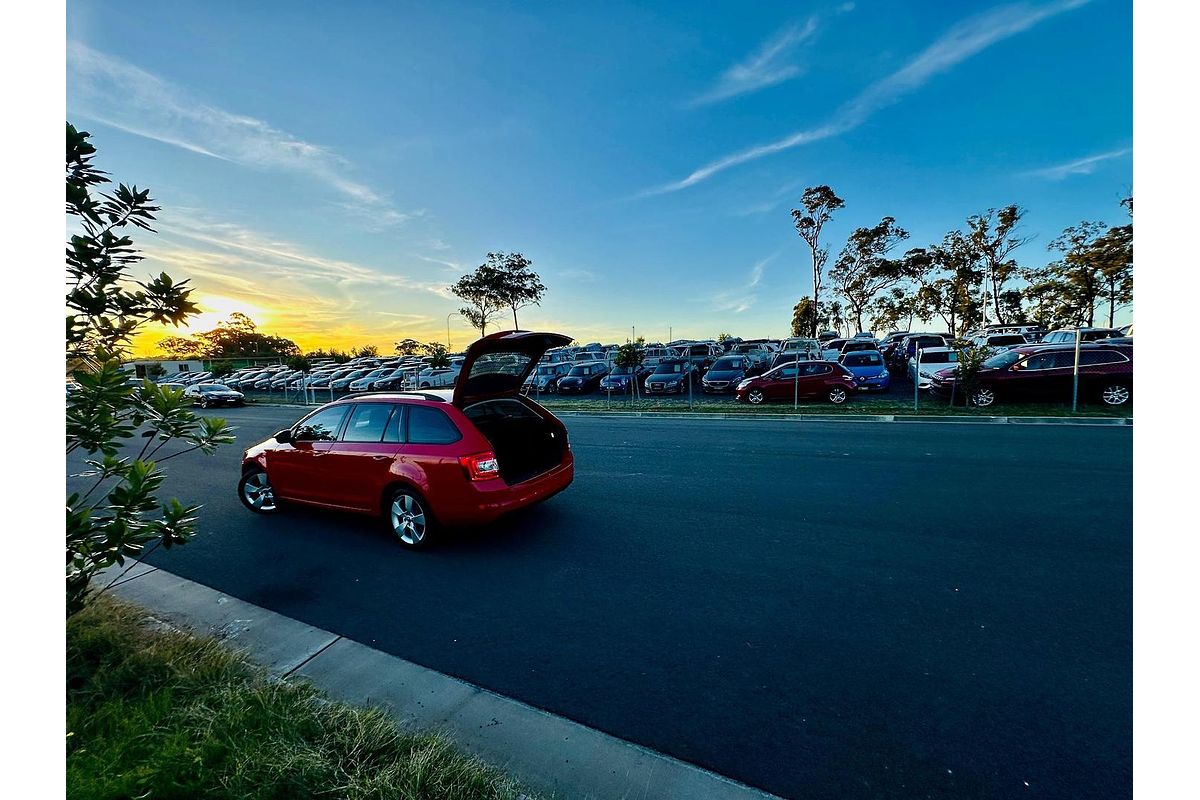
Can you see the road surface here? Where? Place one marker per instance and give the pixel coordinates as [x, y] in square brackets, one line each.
[821, 610]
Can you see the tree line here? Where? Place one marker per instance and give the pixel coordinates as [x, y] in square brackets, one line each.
[968, 279]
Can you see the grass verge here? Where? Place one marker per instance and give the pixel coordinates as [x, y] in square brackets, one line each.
[156, 713]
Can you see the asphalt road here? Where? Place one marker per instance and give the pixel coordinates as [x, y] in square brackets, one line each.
[833, 610]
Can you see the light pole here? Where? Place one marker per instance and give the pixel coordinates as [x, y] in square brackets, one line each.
[1075, 375]
[448, 316]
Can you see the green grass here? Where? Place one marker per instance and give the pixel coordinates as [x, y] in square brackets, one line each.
[155, 713]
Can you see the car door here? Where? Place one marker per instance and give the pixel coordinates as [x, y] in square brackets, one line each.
[781, 384]
[296, 469]
[813, 377]
[358, 465]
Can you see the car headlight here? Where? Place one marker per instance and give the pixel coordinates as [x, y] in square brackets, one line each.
[883, 374]
[672, 383]
[925, 374]
[743, 384]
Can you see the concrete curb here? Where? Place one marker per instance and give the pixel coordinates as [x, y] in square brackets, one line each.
[546, 752]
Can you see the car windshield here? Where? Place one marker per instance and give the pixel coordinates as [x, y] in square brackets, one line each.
[1002, 360]
[580, 372]
[863, 360]
[622, 371]
[1013, 338]
[213, 387]
[938, 358]
[727, 364]
[669, 369]
[547, 371]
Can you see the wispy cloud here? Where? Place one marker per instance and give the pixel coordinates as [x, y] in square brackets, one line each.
[1080, 166]
[962, 41]
[116, 93]
[765, 67]
[743, 297]
[773, 201]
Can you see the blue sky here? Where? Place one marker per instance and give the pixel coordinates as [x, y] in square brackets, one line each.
[331, 168]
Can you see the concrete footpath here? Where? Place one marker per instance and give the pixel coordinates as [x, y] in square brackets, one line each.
[548, 753]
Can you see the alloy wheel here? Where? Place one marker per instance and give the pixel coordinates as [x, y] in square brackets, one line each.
[257, 492]
[837, 395]
[1115, 395]
[983, 397]
[408, 519]
[755, 396]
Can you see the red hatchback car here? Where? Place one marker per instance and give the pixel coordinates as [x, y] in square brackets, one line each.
[802, 379]
[424, 459]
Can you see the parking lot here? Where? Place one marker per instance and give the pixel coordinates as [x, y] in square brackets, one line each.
[826, 610]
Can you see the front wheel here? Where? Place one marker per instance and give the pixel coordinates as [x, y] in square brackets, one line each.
[755, 396]
[838, 395]
[203, 403]
[256, 494]
[409, 518]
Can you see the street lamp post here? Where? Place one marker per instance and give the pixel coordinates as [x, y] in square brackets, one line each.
[448, 316]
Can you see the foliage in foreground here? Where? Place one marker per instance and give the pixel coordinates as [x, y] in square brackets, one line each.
[157, 713]
[120, 516]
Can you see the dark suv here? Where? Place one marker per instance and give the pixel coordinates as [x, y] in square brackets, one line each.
[671, 376]
[1046, 373]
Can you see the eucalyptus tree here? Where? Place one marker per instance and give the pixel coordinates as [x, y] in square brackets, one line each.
[817, 206]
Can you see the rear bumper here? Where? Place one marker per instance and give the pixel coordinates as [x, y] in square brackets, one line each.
[487, 500]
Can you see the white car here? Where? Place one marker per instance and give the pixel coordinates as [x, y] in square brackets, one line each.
[998, 342]
[433, 378]
[933, 360]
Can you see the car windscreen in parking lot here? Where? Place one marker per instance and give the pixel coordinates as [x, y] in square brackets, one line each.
[727, 363]
[862, 359]
[1002, 360]
[938, 358]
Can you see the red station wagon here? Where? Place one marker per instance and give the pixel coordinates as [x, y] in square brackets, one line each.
[422, 460]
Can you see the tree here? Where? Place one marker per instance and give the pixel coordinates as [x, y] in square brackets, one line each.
[484, 291]
[804, 318]
[955, 294]
[181, 347]
[408, 347]
[631, 355]
[439, 355]
[519, 285]
[119, 516]
[993, 235]
[221, 369]
[819, 203]
[1115, 257]
[722, 337]
[862, 271]
[366, 351]
[895, 305]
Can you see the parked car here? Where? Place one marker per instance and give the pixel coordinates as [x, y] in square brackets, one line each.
[1046, 373]
[998, 342]
[670, 376]
[831, 350]
[932, 359]
[803, 380]
[859, 345]
[423, 461]
[364, 383]
[545, 377]
[701, 354]
[584, 377]
[433, 378]
[207, 395]
[622, 379]
[869, 370]
[800, 344]
[1067, 335]
[898, 358]
[343, 383]
[175, 387]
[725, 374]
[759, 355]
[395, 381]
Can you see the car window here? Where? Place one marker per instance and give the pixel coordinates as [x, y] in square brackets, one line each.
[428, 425]
[322, 426]
[368, 422]
[938, 358]
[1095, 357]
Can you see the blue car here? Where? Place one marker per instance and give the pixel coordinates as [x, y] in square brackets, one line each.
[870, 370]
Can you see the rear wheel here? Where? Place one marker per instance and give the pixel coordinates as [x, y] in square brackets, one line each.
[256, 494]
[1115, 394]
[409, 518]
[202, 402]
[838, 395]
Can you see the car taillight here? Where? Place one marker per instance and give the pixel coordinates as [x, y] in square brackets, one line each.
[481, 467]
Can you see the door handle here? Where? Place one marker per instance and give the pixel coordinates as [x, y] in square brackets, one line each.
[381, 458]
[319, 453]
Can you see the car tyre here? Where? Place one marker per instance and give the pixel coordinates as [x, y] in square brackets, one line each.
[424, 386]
[983, 397]
[409, 518]
[838, 395]
[255, 492]
[202, 402]
[755, 396]
[1115, 394]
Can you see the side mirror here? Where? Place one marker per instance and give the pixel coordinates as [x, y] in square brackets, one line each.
[284, 436]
